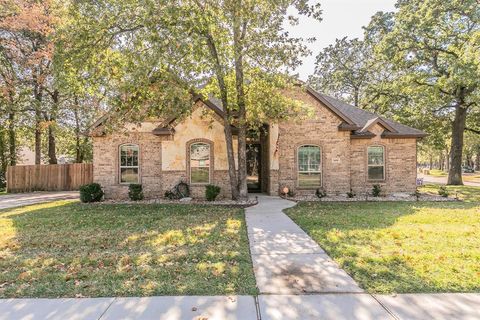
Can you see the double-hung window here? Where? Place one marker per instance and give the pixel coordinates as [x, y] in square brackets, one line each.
[199, 163]
[376, 163]
[129, 167]
[309, 166]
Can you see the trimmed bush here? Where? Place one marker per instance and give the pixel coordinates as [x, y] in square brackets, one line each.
[91, 192]
[376, 190]
[135, 192]
[320, 193]
[443, 192]
[211, 192]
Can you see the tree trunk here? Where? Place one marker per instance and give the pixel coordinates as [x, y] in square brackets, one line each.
[477, 160]
[356, 94]
[38, 137]
[38, 120]
[78, 149]
[12, 140]
[220, 75]
[3, 151]
[447, 160]
[456, 149]
[242, 123]
[52, 145]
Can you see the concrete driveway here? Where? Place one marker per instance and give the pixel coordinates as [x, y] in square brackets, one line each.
[13, 200]
[443, 180]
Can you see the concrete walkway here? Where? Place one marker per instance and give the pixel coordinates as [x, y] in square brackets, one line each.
[285, 259]
[12, 200]
[296, 278]
[328, 306]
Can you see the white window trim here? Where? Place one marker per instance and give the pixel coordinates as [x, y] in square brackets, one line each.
[120, 167]
[209, 161]
[376, 165]
[299, 172]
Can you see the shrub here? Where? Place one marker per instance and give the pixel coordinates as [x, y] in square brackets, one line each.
[320, 193]
[291, 193]
[3, 181]
[169, 195]
[376, 190]
[211, 192]
[443, 192]
[91, 192]
[351, 194]
[135, 192]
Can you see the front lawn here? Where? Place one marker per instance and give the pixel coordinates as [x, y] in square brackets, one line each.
[465, 193]
[399, 246]
[66, 249]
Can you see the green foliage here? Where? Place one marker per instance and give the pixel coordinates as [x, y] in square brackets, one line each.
[91, 192]
[376, 190]
[351, 194]
[291, 193]
[320, 193]
[211, 192]
[135, 192]
[443, 192]
[169, 195]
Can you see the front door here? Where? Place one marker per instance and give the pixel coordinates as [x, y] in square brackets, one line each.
[254, 167]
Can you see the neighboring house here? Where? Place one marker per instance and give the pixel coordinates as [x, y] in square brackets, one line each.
[341, 148]
[26, 156]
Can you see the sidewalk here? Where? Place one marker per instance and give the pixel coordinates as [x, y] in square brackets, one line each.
[296, 279]
[269, 307]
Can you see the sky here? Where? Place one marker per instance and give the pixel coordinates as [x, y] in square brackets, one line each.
[340, 18]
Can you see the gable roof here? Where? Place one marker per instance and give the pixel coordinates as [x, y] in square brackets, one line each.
[364, 119]
[356, 120]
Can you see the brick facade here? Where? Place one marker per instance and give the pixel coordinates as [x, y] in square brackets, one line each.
[164, 160]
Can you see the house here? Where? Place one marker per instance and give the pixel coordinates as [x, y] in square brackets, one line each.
[341, 148]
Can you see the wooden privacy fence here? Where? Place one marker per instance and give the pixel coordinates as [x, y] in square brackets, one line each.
[51, 177]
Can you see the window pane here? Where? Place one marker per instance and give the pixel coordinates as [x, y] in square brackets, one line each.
[199, 155]
[129, 175]
[309, 180]
[375, 155]
[199, 163]
[129, 156]
[199, 175]
[309, 158]
[375, 173]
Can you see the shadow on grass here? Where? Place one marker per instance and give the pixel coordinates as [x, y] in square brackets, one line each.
[64, 249]
[399, 246]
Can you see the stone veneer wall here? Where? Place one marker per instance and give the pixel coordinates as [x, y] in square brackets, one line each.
[106, 159]
[344, 160]
[400, 164]
[155, 181]
[322, 131]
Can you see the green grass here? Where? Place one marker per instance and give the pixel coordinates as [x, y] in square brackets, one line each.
[471, 177]
[399, 246]
[65, 249]
[465, 193]
[438, 173]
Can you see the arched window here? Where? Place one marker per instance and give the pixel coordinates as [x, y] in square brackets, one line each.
[309, 166]
[199, 163]
[129, 167]
[376, 163]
